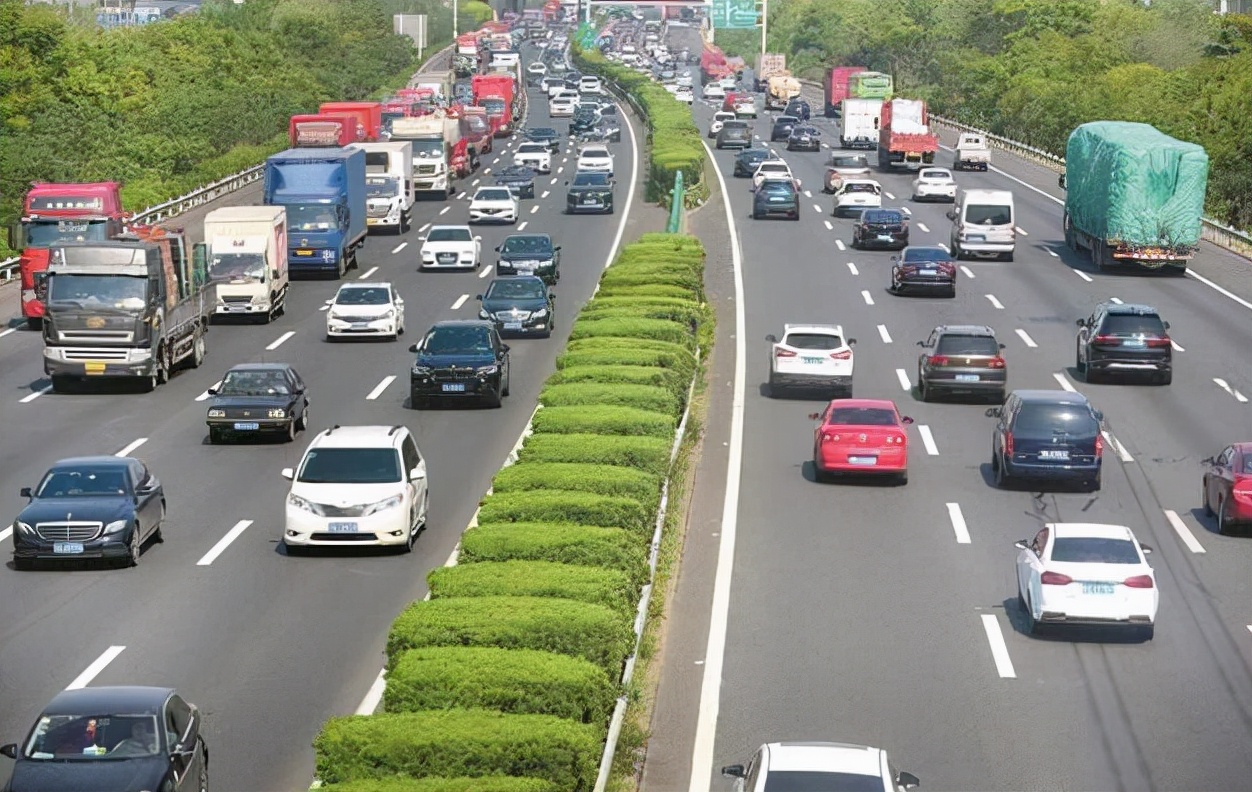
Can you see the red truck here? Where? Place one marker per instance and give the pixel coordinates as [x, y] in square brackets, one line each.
[495, 92]
[369, 116]
[836, 87]
[553, 11]
[475, 128]
[56, 213]
[904, 136]
[713, 66]
[322, 130]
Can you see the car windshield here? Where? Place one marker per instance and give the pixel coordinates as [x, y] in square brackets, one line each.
[731, 125]
[532, 148]
[351, 466]
[531, 245]
[786, 120]
[941, 175]
[820, 781]
[926, 254]
[804, 130]
[449, 235]
[363, 295]
[951, 344]
[94, 737]
[591, 180]
[1094, 550]
[457, 341]
[1133, 324]
[1247, 464]
[254, 383]
[521, 289]
[1047, 419]
[777, 186]
[862, 416]
[881, 216]
[813, 341]
[985, 214]
[493, 195]
[84, 482]
[595, 153]
[543, 133]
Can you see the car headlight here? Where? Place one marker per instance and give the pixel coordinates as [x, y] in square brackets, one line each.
[21, 527]
[277, 413]
[541, 313]
[389, 314]
[300, 503]
[484, 370]
[116, 526]
[217, 413]
[427, 255]
[390, 503]
[331, 314]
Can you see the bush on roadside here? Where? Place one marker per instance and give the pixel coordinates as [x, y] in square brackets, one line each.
[597, 585]
[629, 327]
[650, 454]
[641, 397]
[603, 419]
[493, 783]
[625, 352]
[647, 290]
[600, 479]
[566, 506]
[583, 545]
[459, 743]
[626, 375]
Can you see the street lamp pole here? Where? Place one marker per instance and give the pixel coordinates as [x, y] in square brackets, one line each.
[764, 23]
[455, 30]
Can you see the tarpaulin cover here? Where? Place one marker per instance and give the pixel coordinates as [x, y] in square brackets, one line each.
[907, 116]
[1133, 184]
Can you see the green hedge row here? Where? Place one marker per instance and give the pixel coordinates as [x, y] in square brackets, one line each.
[521, 646]
[493, 783]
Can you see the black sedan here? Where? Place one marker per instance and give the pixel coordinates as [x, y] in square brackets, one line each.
[881, 228]
[519, 305]
[113, 739]
[462, 359]
[606, 130]
[90, 507]
[590, 192]
[256, 399]
[520, 180]
[746, 161]
[547, 136]
[783, 125]
[584, 121]
[923, 267]
[529, 254]
[776, 197]
[800, 109]
[804, 138]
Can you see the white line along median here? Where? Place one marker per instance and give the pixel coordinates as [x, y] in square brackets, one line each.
[1184, 533]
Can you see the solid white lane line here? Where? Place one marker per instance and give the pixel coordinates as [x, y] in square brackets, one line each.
[1064, 383]
[829, 227]
[422, 230]
[534, 209]
[1052, 253]
[994, 302]
[93, 670]
[999, 649]
[839, 244]
[487, 270]
[131, 447]
[1184, 533]
[1117, 446]
[400, 246]
[460, 301]
[903, 376]
[6, 332]
[369, 704]
[1177, 346]
[817, 208]
[36, 394]
[522, 225]
[1083, 275]
[967, 272]
[922, 226]
[367, 273]
[889, 195]
[280, 340]
[1020, 231]
[224, 543]
[380, 387]
[869, 300]
[882, 331]
[958, 523]
[928, 439]
[1115, 300]
[852, 268]
[1026, 339]
[1221, 383]
[545, 194]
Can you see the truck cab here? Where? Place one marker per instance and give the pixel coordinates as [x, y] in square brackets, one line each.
[983, 225]
[244, 255]
[971, 152]
[389, 185]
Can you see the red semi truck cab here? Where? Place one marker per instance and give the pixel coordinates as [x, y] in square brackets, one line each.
[56, 213]
[495, 92]
[369, 116]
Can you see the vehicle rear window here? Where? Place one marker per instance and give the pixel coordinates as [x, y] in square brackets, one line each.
[351, 466]
[967, 345]
[1055, 418]
[821, 781]
[813, 341]
[865, 188]
[1094, 550]
[1133, 324]
[862, 416]
[983, 214]
[849, 162]
[882, 216]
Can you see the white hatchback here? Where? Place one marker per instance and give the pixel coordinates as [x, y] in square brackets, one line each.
[714, 91]
[934, 183]
[857, 194]
[819, 765]
[562, 105]
[494, 205]
[590, 85]
[365, 309]
[816, 356]
[595, 159]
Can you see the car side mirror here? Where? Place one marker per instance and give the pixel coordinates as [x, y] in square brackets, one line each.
[773, 339]
[556, 249]
[26, 492]
[9, 750]
[1060, 181]
[212, 391]
[1002, 346]
[567, 182]
[289, 473]
[417, 474]
[906, 420]
[478, 239]
[1081, 323]
[504, 347]
[1022, 544]
[851, 342]
[730, 771]
[1147, 549]
[951, 214]
[1099, 415]
[814, 416]
[478, 297]
[413, 348]
[992, 412]
[1166, 325]
[497, 248]
[907, 780]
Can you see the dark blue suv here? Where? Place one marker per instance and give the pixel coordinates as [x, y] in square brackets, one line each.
[461, 359]
[1049, 435]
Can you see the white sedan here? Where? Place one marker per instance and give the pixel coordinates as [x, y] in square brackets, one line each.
[364, 310]
[857, 194]
[685, 94]
[595, 159]
[562, 105]
[451, 246]
[1086, 573]
[714, 91]
[819, 765]
[534, 155]
[934, 183]
[773, 169]
[536, 69]
[816, 356]
[494, 205]
[719, 118]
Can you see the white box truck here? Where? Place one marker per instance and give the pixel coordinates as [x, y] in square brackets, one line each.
[389, 187]
[859, 123]
[246, 251]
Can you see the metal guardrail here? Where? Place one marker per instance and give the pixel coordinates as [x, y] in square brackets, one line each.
[200, 195]
[1219, 234]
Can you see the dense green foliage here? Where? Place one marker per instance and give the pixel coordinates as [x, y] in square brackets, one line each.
[569, 506]
[171, 106]
[601, 418]
[436, 784]
[598, 585]
[591, 545]
[1032, 70]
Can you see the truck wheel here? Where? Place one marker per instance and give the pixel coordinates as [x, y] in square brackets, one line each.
[198, 350]
[34, 323]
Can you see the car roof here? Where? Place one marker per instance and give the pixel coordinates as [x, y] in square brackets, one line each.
[1094, 530]
[987, 195]
[537, 235]
[776, 161]
[874, 182]
[1135, 309]
[818, 329]
[364, 285]
[972, 330]
[369, 436]
[1041, 396]
[825, 756]
[462, 227]
[107, 699]
[882, 404]
[259, 367]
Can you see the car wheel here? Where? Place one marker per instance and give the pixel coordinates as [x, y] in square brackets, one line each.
[819, 475]
[923, 390]
[952, 292]
[508, 377]
[1204, 497]
[1079, 364]
[1000, 474]
[303, 422]
[1224, 526]
[216, 436]
[289, 436]
[135, 548]
[293, 550]
[417, 402]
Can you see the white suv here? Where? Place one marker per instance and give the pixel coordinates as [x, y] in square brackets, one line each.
[365, 309]
[357, 485]
[589, 85]
[812, 356]
[562, 105]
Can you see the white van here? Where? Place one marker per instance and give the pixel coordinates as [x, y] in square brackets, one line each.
[983, 225]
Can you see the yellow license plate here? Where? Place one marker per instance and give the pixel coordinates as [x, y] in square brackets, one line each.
[304, 252]
[94, 367]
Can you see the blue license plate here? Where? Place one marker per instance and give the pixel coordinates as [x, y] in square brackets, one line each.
[967, 378]
[342, 527]
[512, 325]
[1098, 588]
[862, 460]
[247, 427]
[67, 548]
[811, 360]
[454, 387]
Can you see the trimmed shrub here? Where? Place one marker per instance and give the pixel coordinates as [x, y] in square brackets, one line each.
[592, 632]
[627, 327]
[600, 479]
[493, 783]
[648, 290]
[459, 743]
[642, 397]
[583, 545]
[567, 506]
[509, 680]
[629, 352]
[625, 375]
[611, 588]
[614, 278]
[650, 454]
[605, 420]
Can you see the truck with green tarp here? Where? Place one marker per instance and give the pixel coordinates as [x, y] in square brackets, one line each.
[1134, 195]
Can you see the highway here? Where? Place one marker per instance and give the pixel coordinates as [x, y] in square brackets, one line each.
[270, 646]
[887, 616]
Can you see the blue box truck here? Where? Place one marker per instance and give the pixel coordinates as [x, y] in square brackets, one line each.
[323, 190]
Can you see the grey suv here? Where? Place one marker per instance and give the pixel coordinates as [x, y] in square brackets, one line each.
[964, 359]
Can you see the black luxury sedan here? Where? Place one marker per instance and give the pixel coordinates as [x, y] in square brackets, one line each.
[90, 507]
[460, 359]
[923, 267]
[804, 138]
[776, 197]
[547, 136]
[783, 125]
[258, 399]
[885, 228]
[113, 739]
[520, 179]
[519, 305]
[1124, 339]
[590, 192]
[747, 160]
[529, 254]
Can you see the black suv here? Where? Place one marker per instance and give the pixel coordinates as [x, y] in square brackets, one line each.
[800, 109]
[590, 192]
[961, 359]
[1047, 434]
[783, 125]
[1124, 339]
[884, 228]
[529, 254]
[461, 359]
[747, 160]
[584, 121]
[547, 136]
[520, 305]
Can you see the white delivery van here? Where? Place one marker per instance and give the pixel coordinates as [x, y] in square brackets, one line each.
[983, 225]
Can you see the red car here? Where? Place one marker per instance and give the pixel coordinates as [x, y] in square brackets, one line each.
[861, 436]
[1228, 487]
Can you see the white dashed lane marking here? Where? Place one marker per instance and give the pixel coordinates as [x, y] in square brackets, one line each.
[281, 339]
[839, 244]
[852, 268]
[991, 298]
[969, 273]
[31, 397]
[1064, 383]
[1221, 383]
[922, 226]
[460, 301]
[131, 447]
[1083, 275]
[829, 227]
[367, 273]
[84, 679]
[999, 649]
[928, 440]
[382, 386]
[869, 299]
[403, 245]
[224, 543]
[903, 376]
[882, 333]
[1184, 533]
[1026, 339]
[958, 523]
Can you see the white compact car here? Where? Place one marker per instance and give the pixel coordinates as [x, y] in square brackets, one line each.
[728, 83]
[714, 91]
[772, 169]
[857, 194]
[534, 155]
[363, 310]
[934, 184]
[1086, 573]
[451, 246]
[719, 118]
[357, 485]
[536, 69]
[595, 159]
[554, 86]
[562, 105]
[812, 356]
[494, 205]
[685, 94]
[802, 765]
[745, 107]
[685, 80]
[588, 84]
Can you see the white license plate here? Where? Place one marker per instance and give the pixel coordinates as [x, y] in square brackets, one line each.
[884, 237]
[967, 377]
[1098, 588]
[237, 308]
[862, 460]
[512, 325]
[67, 548]
[930, 272]
[590, 202]
[360, 325]
[342, 527]
[976, 238]
[1054, 454]
[247, 427]
[454, 387]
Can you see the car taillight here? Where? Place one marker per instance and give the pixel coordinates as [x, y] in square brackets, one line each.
[1243, 486]
[1008, 444]
[1158, 343]
[904, 226]
[844, 355]
[1106, 339]
[947, 268]
[939, 360]
[907, 268]
[895, 439]
[1055, 579]
[1139, 581]
[784, 353]
[1099, 445]
[829, 437]
[996, 362]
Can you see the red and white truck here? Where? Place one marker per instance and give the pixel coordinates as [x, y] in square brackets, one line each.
[835, 88]
[496, 93]
[369, 116]
[440, 152]
[323, 130]
[904, 136]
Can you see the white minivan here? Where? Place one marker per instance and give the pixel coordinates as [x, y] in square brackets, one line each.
[983, 225]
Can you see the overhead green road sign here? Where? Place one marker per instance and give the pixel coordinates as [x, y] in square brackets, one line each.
[734, 14]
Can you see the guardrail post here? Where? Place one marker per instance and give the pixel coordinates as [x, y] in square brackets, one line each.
[676, 205]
